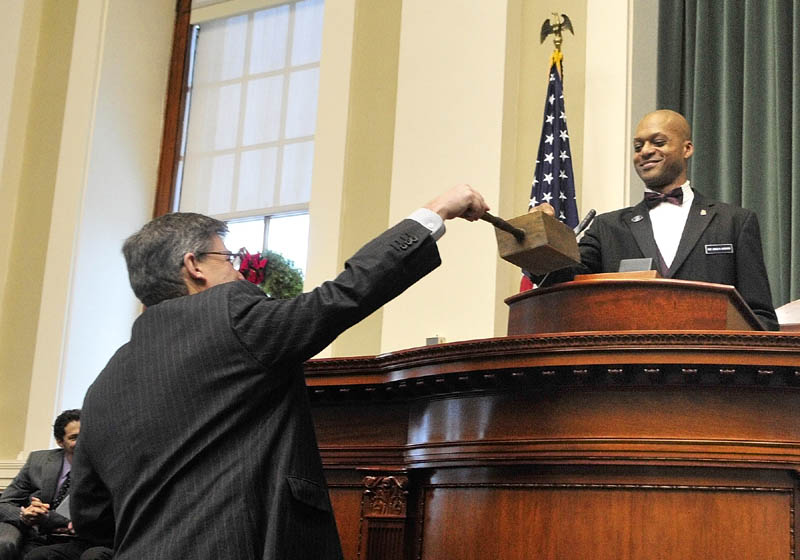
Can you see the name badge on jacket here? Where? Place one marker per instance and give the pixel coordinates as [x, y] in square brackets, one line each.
[719, 248]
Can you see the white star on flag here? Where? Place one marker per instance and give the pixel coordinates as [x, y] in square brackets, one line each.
[547, 197]
[549, 119]
[548, 158]
[552, 99]
[552, 77]
[563, 156]
[548, 178]
[563, 134]
[562, 196]
[533, 202]
[561, 216]
[563, 116]
[562, 175]
[548, 139]
[535, 182]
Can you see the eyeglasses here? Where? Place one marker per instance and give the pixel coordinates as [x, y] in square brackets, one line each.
[234, 258]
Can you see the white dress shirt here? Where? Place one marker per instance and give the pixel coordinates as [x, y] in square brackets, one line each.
[668, 222]
[430, 220]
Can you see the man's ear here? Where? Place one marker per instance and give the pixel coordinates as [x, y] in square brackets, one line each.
[193, 273]
[688, 149]
[60, 443]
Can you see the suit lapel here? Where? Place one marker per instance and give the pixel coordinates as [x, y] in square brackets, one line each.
[51, 472]
[638, 220]
[700, 215]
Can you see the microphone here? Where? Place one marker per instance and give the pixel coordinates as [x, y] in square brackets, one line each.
[585, 222]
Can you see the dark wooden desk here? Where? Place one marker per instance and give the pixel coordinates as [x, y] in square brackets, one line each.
[602, 445]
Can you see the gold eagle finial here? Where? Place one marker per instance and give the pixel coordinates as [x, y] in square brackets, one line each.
[555, 28]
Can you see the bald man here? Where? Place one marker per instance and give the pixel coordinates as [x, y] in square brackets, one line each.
[689, 236]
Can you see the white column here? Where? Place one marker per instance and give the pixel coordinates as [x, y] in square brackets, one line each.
[330, 143]
[104, 191]
[643, 74]
[450, 102]
[606, 160]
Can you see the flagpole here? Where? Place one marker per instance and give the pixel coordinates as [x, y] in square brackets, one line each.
[553, 180]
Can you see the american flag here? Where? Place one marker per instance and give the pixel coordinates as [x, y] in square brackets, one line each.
[553, 180]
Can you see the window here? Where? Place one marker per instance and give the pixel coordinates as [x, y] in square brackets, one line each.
[247, 145]
[287, 235]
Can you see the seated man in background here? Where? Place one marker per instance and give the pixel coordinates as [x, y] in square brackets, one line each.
[688, 236]
[29, 507]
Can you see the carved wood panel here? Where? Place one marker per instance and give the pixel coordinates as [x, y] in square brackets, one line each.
[602, 521]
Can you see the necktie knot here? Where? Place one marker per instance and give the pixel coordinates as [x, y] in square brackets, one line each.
[653, 199]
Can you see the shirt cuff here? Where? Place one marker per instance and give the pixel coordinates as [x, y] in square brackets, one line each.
[430, 220]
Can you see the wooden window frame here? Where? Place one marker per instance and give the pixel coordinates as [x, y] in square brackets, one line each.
[175, 107]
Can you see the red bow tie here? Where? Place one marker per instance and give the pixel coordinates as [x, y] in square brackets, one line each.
[653, 199]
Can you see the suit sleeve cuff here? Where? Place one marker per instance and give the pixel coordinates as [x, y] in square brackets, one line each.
[430, 220]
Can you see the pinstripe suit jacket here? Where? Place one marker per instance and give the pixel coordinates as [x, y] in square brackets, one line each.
[38, 477]
[198, 433]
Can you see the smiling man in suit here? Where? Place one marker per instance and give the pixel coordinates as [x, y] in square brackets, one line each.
[689, 236]
[219, 458]
[28, 506]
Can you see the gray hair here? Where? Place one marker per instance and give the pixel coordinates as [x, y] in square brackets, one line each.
[154, 254]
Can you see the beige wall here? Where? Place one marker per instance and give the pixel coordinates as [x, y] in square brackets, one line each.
[80, 128]
[607, 117]
[370, 144]
[39, 62]
[464, 110]
[14, 105]
[353, 151]
[104, 191]
[414, 96]
[644, 53]
[449, 129]
[326, 209]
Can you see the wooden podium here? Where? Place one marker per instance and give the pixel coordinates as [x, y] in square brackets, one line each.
[604, 444]
[629, 301]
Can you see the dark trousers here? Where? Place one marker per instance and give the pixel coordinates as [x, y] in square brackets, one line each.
[30, 546]
[73, 550]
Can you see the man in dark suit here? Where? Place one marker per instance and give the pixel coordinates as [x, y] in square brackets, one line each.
[219, 458]
[28, 506]
[689, 236]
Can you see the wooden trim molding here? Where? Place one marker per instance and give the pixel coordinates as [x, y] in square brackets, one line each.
[174, 109]
[8, 470]
[628, 358]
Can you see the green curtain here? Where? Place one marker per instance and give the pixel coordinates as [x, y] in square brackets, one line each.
[732, 67]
